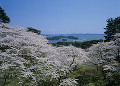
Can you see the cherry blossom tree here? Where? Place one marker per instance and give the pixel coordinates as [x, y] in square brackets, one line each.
[117, 46]
[35, 59]
[107, 54]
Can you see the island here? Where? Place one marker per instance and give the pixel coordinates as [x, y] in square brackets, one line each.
[60, 37]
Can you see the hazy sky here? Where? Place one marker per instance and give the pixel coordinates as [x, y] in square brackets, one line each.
[62, 16]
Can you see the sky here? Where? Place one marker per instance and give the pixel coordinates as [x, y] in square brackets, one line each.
[62, 16]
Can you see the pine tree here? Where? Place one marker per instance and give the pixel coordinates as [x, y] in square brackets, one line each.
[113, 27]
[3, 17]
[33, 30]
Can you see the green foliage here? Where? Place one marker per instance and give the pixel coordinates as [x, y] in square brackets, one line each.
[33, 30]
[85, 75]
[48, 82]
[86, 44]
[3, 48]
[83, 45]
[26, 81]
[9, 77]
[61, 43]
[3, 17]
[112, 27]
[88, 76]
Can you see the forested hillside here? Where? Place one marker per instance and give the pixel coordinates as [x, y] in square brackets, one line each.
[26, 59]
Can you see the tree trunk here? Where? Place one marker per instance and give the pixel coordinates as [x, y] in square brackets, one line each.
[5, 79]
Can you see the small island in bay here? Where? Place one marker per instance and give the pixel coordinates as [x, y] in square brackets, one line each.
[61, 37]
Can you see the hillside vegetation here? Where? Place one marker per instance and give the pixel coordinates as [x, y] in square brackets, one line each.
[83, 45]
[27, 59]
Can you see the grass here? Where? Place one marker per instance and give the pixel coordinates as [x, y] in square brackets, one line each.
[88, 76]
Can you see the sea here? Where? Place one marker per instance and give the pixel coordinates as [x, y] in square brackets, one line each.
[81, 37]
